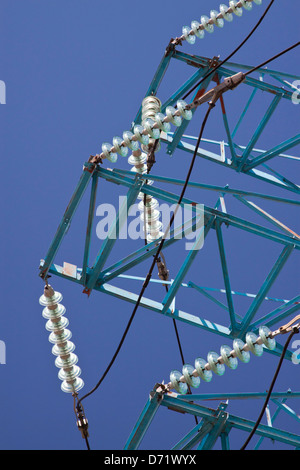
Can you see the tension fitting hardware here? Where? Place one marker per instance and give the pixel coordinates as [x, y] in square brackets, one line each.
[229, 83]
[288, 327]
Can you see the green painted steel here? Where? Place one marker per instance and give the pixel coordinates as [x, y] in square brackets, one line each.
[215, 423]
[244, 160]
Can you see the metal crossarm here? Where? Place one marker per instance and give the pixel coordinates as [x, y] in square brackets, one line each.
[211, 82]
[214, 423]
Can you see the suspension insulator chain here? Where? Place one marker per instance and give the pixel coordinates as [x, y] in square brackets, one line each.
[60, 336]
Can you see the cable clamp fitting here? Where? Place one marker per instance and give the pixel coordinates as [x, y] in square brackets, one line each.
[288, 327]
[163, 272]
[82, 422]
[229, 83]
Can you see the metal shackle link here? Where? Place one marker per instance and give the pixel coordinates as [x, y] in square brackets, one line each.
[191, 375]
[60, 336]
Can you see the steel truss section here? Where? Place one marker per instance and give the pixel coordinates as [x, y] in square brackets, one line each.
[249, 158]
[215, 423]
[246, 159]
[98, 277]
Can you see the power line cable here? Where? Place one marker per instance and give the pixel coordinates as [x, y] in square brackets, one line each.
[231, 54]
[82, 422]
[155, 258]
[294, 331]
[147, 279]
[180, 351]
[272, 58]
[161, 253]
[166, 272]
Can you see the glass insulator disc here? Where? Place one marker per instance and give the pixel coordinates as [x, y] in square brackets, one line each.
[64, 336]
[206, 25]
[106, 149]
[132, 144]
[238, 345]
[190, 38]
[216, 367]
[138, 132]
[180, 387]
[198, 31]
[71, 374]
[121, 150]
[205, 374]
[264, 332]
[256, 349]
[190, 379]
[247, 5]
[67, 348]
[223, 10]
[59, 311]
[238, 11]
[55, 299]
[68, 360]
[176, 120]
[185, 113]
[230, 362]
[164, 126]
[219, 22]
[62, 323]
[153, 132]
[75, 386]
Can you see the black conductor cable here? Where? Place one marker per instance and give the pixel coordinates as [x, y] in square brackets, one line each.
[231, 54]
[81, 421]
[150, 162]
[148, 277]
[272, 58]
[181, 352]
[294, 331]
[173, 216]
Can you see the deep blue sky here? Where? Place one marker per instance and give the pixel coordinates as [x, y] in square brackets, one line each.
[75, 73]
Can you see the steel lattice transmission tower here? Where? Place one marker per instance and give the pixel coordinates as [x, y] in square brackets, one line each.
[164, 126]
